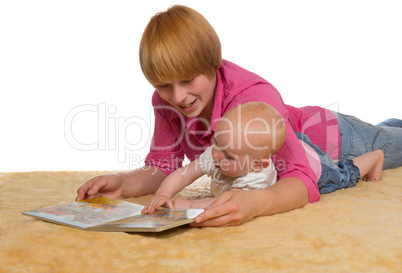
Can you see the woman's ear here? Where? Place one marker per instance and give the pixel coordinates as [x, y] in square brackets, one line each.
[261, 164]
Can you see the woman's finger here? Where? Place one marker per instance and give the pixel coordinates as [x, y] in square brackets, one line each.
[229, 210]
[97, 186]
[212, 213]
[82, 192]
[221, 221]
[220, 200]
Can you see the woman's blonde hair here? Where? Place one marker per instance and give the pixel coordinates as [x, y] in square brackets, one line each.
[178, 44]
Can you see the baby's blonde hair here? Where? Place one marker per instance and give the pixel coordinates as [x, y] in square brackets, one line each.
[178, 44]
[260, 127]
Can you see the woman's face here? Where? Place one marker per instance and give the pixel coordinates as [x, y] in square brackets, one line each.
[192, 97]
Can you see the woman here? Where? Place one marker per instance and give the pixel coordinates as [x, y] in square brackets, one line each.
[180, 55]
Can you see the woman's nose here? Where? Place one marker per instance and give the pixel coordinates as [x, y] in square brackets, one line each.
[179, 93]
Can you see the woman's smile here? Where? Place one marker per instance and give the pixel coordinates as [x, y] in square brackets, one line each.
[187, 107]
[192, 97]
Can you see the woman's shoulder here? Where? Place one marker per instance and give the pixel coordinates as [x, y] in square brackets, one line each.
[232, 71]
[237, 85]
[235, 79]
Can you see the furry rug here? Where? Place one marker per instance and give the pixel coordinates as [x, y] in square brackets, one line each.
[352, 230]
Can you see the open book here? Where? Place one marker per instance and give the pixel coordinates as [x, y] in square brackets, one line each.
[102, 214]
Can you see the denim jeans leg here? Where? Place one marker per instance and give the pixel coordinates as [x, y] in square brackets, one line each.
[334, 175]
[391, 122]
[359, 137]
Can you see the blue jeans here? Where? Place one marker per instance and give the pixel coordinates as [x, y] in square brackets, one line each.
[391, 122]
[359, 137]
[334, 175]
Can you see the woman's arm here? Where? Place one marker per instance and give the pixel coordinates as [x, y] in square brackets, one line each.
[165, 156]
[139, 182]
[236, 207]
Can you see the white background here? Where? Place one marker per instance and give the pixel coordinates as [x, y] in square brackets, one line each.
[73, 96]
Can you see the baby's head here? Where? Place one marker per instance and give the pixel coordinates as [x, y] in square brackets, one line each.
[178, 44]
[246, 137]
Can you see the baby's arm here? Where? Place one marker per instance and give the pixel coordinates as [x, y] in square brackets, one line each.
[173, 184]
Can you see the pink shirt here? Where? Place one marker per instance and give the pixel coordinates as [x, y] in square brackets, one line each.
[176, 135]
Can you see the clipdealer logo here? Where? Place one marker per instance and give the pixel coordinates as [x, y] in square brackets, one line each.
[113, 132]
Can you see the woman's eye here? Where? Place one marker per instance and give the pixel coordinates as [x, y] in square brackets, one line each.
[228, 156]
[164, 85]
[187, 81]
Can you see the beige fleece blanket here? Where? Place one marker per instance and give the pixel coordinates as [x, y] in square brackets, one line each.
[352, 230]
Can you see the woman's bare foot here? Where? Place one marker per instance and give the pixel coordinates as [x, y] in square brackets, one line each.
[375, 172]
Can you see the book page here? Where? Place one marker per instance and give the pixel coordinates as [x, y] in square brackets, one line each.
[87, 213]
[159, 218]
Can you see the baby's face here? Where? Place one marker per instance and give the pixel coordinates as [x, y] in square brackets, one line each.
[237, 148]
[231, 159]
[229, 163]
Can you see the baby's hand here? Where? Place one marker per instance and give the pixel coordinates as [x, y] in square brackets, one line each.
[157, 201]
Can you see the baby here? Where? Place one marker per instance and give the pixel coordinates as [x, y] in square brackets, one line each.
[245, 139]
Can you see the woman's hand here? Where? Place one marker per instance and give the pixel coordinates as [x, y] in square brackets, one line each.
[238, 206]
[139, 182]
[232, 208]
[108, 186]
